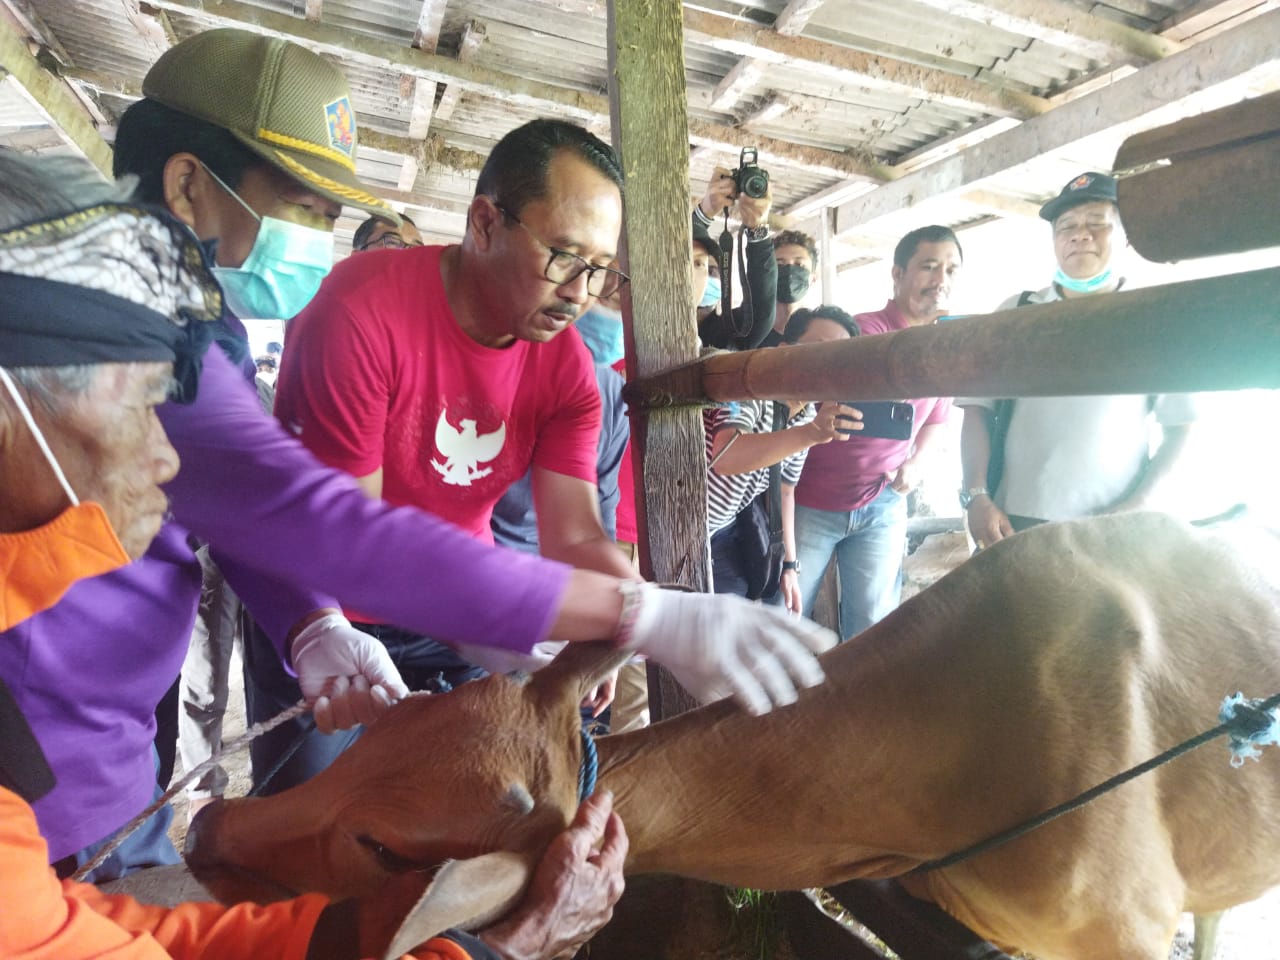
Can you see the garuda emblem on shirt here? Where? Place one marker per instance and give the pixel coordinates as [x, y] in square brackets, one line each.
[464, 449]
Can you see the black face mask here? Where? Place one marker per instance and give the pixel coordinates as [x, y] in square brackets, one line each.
[793, 282]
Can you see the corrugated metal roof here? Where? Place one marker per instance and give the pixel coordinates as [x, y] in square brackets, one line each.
[817, 119]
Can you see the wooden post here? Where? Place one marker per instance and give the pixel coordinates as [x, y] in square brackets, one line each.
[1220, 333]
[650, 133]
[826, 255]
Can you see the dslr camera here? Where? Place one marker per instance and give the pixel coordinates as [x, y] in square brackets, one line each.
[750, 178]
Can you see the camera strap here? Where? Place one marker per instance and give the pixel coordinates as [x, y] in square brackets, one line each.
[726, 270]
[726, 243]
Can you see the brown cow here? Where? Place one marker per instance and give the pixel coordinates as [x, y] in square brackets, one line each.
[1039, 668]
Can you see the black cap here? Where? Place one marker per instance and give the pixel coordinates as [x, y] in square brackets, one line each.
[1085, 188]
[703, 239]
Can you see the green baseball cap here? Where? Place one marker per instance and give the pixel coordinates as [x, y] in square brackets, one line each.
[287, 104]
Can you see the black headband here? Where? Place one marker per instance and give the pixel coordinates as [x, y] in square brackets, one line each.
[111, 283]
[47, 323]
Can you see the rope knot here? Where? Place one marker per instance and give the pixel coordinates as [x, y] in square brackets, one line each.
[1250, 723]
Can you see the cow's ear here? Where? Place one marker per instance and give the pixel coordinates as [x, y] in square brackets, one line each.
[468, 894]
[577, 669]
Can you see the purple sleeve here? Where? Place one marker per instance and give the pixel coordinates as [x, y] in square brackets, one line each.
[285, 525]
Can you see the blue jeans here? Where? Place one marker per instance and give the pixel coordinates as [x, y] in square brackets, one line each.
[424, 664]
[868, 544]
[148, 846]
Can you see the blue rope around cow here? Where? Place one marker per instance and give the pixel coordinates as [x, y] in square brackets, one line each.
[1249, 723]
[589, 768]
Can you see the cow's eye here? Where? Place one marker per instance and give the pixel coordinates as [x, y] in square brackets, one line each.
[387, 859]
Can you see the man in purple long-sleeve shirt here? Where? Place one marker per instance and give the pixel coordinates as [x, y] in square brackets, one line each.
[89, 673]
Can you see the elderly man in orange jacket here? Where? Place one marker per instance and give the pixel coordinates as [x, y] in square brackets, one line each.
[106, 309]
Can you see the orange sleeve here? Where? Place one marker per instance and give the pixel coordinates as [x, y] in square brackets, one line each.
[45, 919]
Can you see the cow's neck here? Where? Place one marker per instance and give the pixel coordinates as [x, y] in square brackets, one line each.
[779, 801]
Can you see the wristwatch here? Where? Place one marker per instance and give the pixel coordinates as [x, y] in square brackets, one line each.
[756, 234]
[791, 565]
[971, 494]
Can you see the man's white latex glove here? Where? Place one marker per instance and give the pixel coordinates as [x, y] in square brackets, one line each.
[501, 660]
[716, 645]
[498, 660]
[346, 675]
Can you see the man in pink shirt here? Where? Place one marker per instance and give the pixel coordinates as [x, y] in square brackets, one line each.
[851, 501]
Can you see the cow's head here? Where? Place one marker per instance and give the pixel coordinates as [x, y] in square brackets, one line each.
[475, 775]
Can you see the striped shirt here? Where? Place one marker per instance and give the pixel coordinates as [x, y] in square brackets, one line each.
[727, 496]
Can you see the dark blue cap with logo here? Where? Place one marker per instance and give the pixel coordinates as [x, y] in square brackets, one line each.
[1085, 188]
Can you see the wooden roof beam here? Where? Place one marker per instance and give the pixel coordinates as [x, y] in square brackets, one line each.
[795, 16]
[770, 110]
[28, 21]
[1169, 86]
[1062, 25]
[50, 95]
[154, 29]
[473, 36]
[845, 65]
[421, 95]
[430, 20]
[578, 105]
[737, 83]
[1203, 19]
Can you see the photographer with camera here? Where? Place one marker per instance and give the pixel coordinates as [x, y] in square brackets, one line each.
[744, 194]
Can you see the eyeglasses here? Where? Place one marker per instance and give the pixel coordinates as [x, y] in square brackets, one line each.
[390, 241]
[564, 266]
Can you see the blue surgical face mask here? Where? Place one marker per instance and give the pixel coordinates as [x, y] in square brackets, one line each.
[1090, 285]
[283, 270]
[601, 329]
[710, 293]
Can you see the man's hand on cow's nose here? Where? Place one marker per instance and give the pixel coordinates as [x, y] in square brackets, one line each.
[573, 890]
[346, 675]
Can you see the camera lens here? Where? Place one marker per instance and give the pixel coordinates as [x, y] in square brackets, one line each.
[755, 183]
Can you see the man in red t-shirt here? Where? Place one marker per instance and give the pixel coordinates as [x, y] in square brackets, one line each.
[851, 501]
[438, 376]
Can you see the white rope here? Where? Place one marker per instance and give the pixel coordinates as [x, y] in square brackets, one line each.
[236, 745]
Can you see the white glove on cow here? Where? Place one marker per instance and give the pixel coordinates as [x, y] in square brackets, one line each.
[717, 644]
[501, 660]
[346, 675]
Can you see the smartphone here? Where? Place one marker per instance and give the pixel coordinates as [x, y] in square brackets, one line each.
[883, 418]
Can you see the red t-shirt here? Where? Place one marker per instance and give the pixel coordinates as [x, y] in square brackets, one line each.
[378, 373]
[846, 476]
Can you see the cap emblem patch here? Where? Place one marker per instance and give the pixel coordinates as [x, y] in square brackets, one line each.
[342, 125]
[1080, 182]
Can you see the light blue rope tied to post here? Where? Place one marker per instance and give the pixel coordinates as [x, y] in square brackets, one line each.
[1252, 725]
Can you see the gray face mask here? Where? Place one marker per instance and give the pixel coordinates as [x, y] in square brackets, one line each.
[793, 282]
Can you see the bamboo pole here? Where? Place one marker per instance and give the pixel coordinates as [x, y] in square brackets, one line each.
[1208, 183]
[1221, 333]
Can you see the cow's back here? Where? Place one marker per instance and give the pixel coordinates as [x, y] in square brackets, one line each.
[1119, 637]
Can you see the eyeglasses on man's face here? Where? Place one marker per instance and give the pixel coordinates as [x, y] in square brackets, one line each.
[564, 266]
[390, 241]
